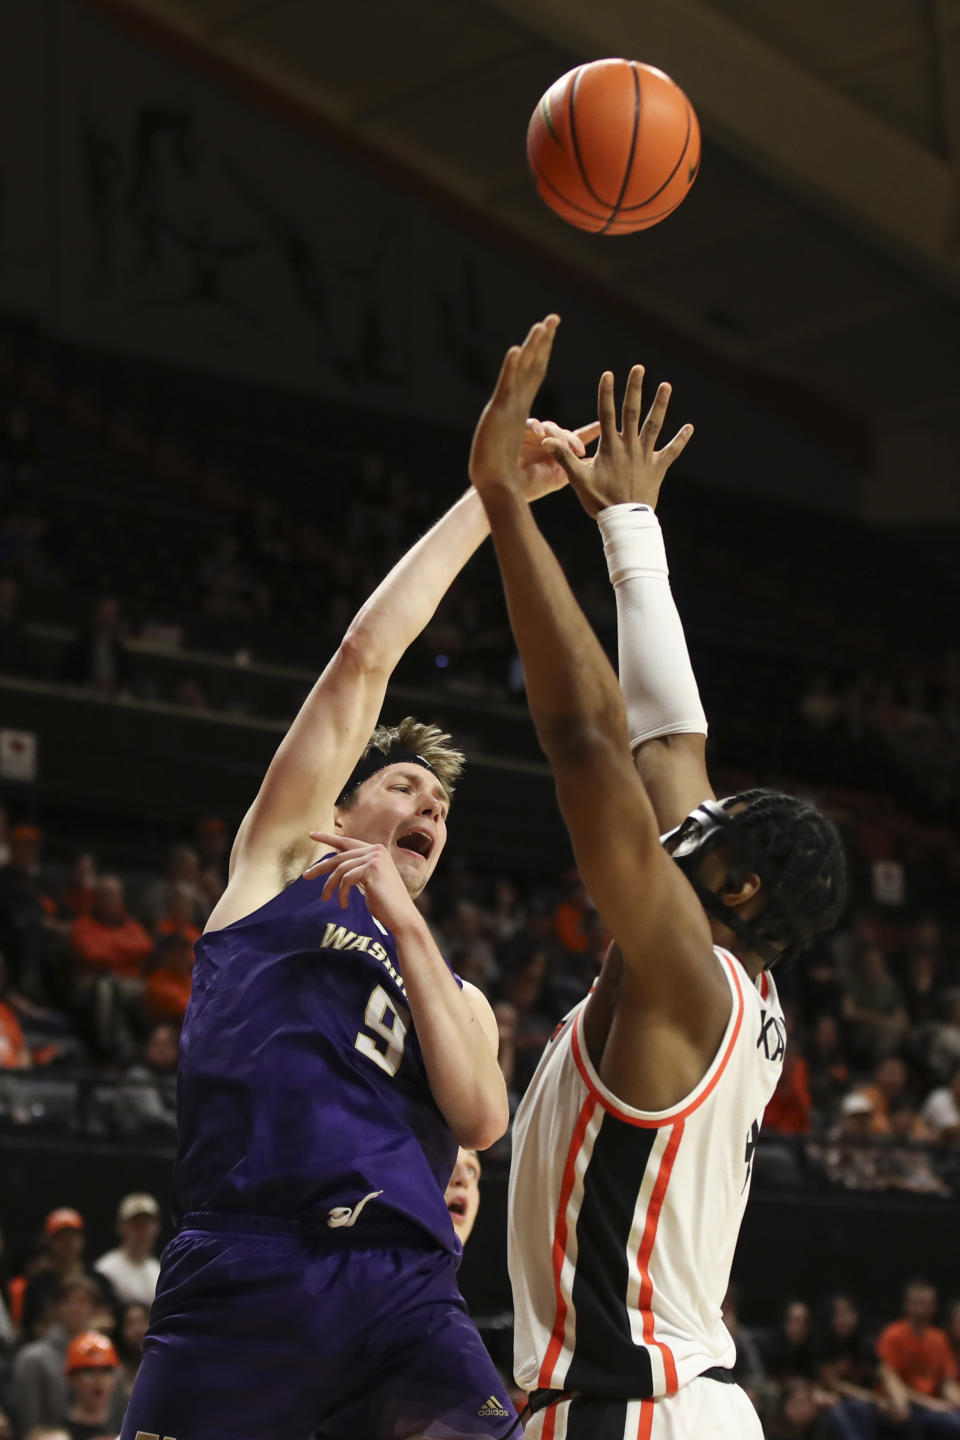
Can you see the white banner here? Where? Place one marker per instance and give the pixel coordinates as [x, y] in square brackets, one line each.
[18, 755]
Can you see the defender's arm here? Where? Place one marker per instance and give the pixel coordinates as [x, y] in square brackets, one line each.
[578, 711]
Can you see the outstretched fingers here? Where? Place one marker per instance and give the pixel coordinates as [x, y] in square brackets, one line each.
[676, 446]
[632, 403]
[606, 410]
[524, 366]
[650, 431]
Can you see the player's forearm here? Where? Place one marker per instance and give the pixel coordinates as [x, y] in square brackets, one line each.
[404, 602]
[571, 688]
[656, 675]
[461, 1064]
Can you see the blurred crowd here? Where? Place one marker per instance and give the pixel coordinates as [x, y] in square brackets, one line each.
[71, 1331]
[96, 971]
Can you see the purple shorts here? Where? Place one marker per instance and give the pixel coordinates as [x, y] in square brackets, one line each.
[280, 1336]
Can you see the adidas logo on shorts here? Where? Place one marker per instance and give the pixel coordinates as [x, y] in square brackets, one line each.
[493, 1407]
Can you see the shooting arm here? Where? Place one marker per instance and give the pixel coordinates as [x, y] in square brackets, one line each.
[336, 719]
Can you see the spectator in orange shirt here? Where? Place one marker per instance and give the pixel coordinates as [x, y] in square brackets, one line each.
[111, 949]
[790, 1107]
[109, 940]
[169, 985]
[14, 1051]
[918, 1370]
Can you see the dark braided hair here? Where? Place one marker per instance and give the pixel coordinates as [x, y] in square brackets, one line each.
[804, 869]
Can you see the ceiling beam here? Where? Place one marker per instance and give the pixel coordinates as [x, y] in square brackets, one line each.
[946, 20]
[771, 111]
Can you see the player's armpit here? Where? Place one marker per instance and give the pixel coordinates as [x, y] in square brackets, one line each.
[673, 769]
[642, 896]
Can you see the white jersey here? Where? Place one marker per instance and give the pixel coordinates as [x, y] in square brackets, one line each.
[623, 1222]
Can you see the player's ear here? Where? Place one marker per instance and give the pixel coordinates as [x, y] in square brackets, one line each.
[337, 819]
[738, 888]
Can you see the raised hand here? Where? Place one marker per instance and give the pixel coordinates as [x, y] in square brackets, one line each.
[540, 471]
[356, 862]
[627, 465]
[498, 440]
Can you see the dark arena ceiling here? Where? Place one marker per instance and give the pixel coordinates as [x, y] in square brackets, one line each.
[821, 241]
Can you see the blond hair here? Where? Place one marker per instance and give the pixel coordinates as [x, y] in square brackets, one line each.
[428, 741]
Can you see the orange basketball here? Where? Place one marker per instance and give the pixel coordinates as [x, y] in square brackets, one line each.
[614, 146]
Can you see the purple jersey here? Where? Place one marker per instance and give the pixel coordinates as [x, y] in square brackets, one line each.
[302, 1091]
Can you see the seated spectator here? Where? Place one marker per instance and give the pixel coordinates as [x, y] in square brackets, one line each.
[144, 1100]
[941, 1110]
[98, 658]
[570, 913]
[170, 983]
[790, 1107]
[788, 1349]
[466, 947]
[183, 868]
[748, 1370]
[908, 1166]
[536, 935]
[14, 1051]
[872, 1007]
[847, 1367]
[527, 990]
[918, 1371]
[59, 1258]
[848, 1158]
[78, 894]
[180, 918]
[40, 1390]
[888, 1084]
[953, 1328]
[91, 1366]
[212, 842]
[28, 927]
[922, 995]
[131, 1327]
[109, 940]
[944, 1052]
[506, 912]
[132, 1268]
[827, 1068]
[797, 1413]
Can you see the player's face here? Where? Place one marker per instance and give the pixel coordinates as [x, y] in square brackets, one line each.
[403, 807]
[463, 1193]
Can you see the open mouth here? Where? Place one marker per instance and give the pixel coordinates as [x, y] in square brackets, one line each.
[457, 1207]
[418, 841]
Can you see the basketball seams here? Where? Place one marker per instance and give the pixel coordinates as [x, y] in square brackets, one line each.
[660, 188]
[633, 147]
[571, 119]
[571, 204]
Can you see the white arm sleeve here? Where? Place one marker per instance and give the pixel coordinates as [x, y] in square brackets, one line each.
[656, 676]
